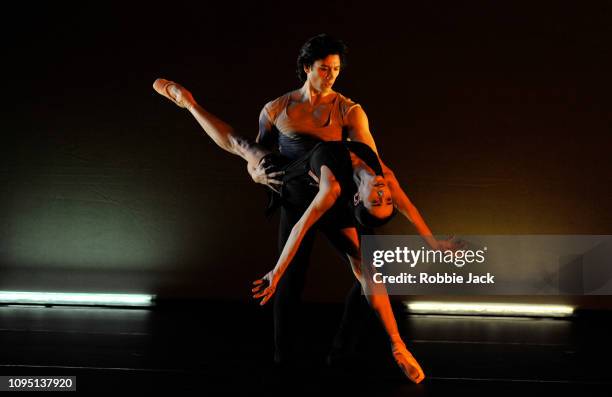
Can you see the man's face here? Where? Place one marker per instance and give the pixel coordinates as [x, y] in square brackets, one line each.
[323, 72]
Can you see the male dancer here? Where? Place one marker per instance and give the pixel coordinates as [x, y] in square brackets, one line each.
[294, 123]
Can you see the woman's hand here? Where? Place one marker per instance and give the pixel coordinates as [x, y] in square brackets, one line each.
[450, 244]
[264, 287]
[266, 173]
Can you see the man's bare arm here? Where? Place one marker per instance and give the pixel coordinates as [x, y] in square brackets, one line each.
[359, 128]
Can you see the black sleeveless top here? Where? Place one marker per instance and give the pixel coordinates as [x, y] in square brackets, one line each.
[297, 146]
[299, 189]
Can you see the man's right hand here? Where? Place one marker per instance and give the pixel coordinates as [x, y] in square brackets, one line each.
[266, 173]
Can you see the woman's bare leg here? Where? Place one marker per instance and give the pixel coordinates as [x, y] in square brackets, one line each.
[219, 131]
[379, 301]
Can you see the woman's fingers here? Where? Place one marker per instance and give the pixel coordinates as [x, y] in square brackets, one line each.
[452, 244]
[260, 292]
[456, 243]
[259, 284]
[266, 293]
[264, 300]
[275, 177]
[313, 176]
[266, 164]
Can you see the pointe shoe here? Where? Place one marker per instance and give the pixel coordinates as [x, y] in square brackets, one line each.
[174, 92]
[407, 363]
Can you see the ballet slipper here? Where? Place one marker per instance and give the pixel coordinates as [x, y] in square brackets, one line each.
[174, 92]
[407, 363]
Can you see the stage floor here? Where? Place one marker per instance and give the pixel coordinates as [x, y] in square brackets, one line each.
[218, 348]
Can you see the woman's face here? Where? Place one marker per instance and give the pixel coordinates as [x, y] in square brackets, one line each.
[323, 73]
[376, 197]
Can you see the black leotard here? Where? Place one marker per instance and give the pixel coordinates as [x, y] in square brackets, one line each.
[299, 189]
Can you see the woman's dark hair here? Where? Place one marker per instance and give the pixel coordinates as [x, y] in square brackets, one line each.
[363, 216]
[319, 47]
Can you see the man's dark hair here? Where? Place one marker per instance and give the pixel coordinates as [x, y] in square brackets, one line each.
[364, 217]
[319, 47]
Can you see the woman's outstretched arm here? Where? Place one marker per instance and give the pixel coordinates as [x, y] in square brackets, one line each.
[408, 210]
[329, 190]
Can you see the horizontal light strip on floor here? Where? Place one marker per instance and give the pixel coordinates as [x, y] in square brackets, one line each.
[490, 309]
[55, 298]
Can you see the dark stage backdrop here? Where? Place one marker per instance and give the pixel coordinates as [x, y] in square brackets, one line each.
[495, 117]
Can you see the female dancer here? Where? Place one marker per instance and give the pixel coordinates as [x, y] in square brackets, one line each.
[337, 170]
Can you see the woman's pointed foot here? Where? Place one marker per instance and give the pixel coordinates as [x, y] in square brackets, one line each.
[407, 363]
[174, 92]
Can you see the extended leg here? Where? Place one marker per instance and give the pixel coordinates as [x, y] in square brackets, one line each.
[219, 131]
[379, 301]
